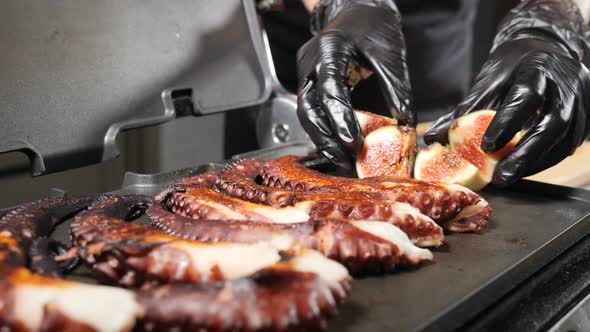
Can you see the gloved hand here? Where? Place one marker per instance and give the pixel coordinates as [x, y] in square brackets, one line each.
[365, 35]
[533, 77]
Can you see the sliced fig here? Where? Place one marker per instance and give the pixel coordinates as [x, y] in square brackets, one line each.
[437, 163]
[465, 136]
[370, 121]
[387, 151]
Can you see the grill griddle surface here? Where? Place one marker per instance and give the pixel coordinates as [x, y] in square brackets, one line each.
[473, 270]
[531, 224]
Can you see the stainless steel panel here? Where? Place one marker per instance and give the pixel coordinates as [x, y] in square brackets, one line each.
[73, 73]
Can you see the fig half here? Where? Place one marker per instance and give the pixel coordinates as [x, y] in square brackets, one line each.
[437, 163]
[465, 136]
[463, 161]
[370, 121]
[387, 151]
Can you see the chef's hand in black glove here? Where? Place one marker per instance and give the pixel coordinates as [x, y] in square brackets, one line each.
[533, 76]
[365, 35]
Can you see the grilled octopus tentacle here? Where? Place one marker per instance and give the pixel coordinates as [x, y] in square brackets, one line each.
[239, 181]
[20, 227]
[204, 203]
[235, 274]
[32, 302]
[271, 299]
[298, 288]
[447, 204]
[43, 256]
[363, 246]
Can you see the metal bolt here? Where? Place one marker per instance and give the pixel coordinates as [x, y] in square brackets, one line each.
[280, 132]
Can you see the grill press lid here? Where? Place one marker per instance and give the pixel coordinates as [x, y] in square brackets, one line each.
[73, 73]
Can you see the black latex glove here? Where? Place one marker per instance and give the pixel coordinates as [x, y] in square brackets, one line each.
[535, 64]
[365, 34]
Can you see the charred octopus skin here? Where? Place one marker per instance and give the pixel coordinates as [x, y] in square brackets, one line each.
[271, 285]
[294, 288]
[34, 302]
[363, 246]
[23, 230]
[239, 180]
[456, 207]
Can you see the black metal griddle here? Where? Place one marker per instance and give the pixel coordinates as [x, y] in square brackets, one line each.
[524, 273]
[532, 225]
